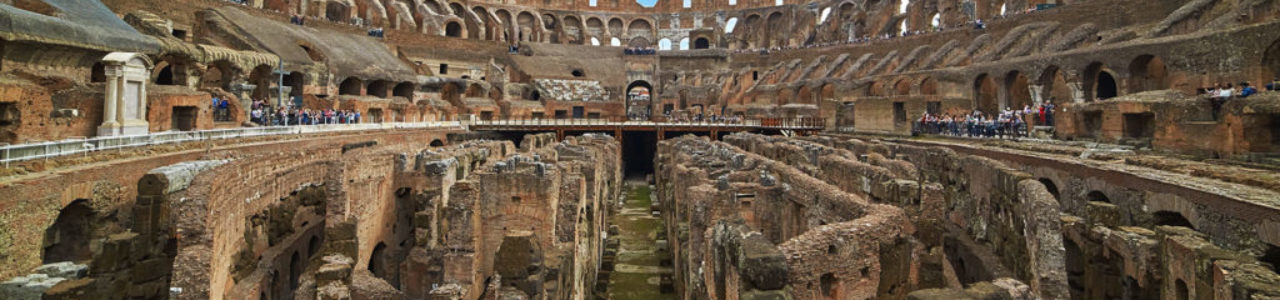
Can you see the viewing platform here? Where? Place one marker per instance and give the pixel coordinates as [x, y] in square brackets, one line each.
[801, 126]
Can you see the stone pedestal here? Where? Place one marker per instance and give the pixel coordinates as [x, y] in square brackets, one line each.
[125, 106]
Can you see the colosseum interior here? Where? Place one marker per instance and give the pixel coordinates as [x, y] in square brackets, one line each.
[639, 149]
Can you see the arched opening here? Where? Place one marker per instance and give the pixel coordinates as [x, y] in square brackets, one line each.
[902, 87]
[377, 261]
[1075, 264]
[295, 270]
[165, 74]
[453, 29]
[1170, 218]
[378, 88]
[1018, 89]
[577, 73]
[1051, 187]
[984, 90]
[639, 100]
[336, 12]
[1097, 196]
[1183, 293]
[404, 89]
[68, 238]
[1054, 85]
[1106, 86]
[1099, 84]
[684, 44]
[876, 89]
[701, 43]
[929, 86]
[1271, 257]
[437, 143]
[263, 79]
[664, 44]
[1147, 73]
[350, 86]
[98, 73]
[829, 285]
[313, 246]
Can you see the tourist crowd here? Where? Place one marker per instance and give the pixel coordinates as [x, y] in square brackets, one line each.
[639, 51]
[1008, 123]
[1219, 93]
[262, 114]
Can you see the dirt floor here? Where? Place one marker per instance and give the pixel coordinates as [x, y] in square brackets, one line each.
[638, 272]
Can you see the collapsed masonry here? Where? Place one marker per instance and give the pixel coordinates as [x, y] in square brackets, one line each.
[758, 217]
[480, 219]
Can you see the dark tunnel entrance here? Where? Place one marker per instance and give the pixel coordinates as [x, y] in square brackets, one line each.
[638, 149]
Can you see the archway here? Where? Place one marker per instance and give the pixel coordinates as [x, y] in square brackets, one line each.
[1018, 90]
[1171, 218]
[68, 238]
[350, 86]
[701, 43]
[404, 89]
[1147, 73]
[164, 74]
[876, 89]
[262, 78]
[377, 88]
[929, 86]
[437, 143]
[1106, 86]
[1051, 187]
[639, 99]
[453, 29]
[378, 263]
[336, 12]
[984, 91]
[902, 87]
[1054, 85]
[1097, 196]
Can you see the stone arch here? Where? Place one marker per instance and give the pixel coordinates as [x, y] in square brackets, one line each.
[1100, 83]
[1018, 89]
[749, 35]
[171, 70]
[928, 86]
[616, 27]
[350, 86]
[454, 29]
[1054, 86]
[313, 246]
[573, 30]
[437, 143]
[830, 286]
[378, 264]
[487, 23]
[827, 92]
[985, 94]
[527, 26]
[701, 43]
[470, 23]
[1171, 218]
[337, 11]
[1097, 196]
[68, 238]
[404, 89]
[475, 90]
[776, 23]
[875, 89]
[377, 88]
[508, 24]
[902, 87]
[1147, 73]
[401, 16]
[263, 77]
[1051, 187]
[640, 27]
[639, 42]
[804, 95]
[295, 270]
[595, 27]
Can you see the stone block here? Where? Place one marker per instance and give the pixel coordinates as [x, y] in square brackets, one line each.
[27, 287]
[64, 269]
[71, 289]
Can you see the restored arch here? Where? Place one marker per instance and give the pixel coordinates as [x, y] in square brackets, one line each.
[350, 86]
[985, 94]
[1147, 73]
[1018, 89]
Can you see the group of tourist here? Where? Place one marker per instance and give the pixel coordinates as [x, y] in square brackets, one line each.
[262, 114]
[1220, 93]
[377, 32]
[221, 109]
[1008, 123]
[700, 118]
[297, 20]
[639, 51]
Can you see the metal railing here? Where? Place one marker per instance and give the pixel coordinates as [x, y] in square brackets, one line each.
[44, 150]
[778, 123]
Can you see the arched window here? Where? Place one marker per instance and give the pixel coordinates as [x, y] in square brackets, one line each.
[701, 43]
[684, 44]
[453, 29]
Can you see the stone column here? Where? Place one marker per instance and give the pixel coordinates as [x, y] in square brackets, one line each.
[109, 112]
